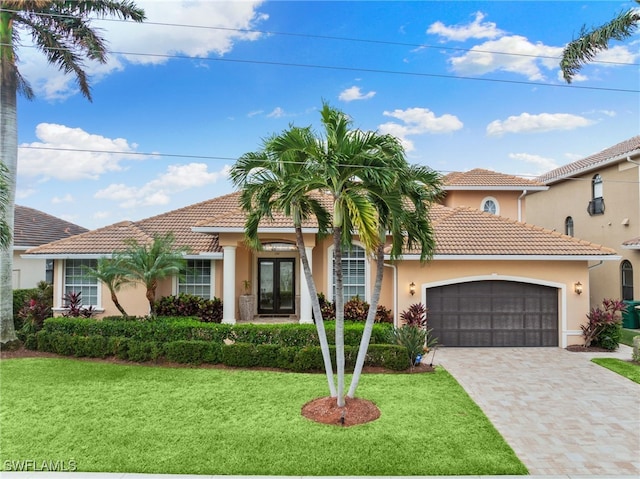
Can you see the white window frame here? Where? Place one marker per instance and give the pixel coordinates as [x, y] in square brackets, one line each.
[330, 280]
[97, 283]
[484, 202]
[212, 276]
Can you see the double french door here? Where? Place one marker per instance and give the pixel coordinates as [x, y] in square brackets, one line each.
[276, 280]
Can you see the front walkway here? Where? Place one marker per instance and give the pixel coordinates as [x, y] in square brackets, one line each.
[561, 413]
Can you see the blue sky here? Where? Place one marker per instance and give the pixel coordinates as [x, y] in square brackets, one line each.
[463, 84]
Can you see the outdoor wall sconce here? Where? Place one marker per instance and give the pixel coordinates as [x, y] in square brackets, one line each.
[412, 288]
[578, 288]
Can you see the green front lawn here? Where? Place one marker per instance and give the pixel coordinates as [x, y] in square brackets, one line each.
[627, 369]
[628, 335]
[130, 418]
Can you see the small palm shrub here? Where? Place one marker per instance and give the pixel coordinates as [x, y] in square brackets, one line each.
[414, 334]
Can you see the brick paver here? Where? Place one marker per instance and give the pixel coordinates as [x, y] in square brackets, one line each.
[561, 413]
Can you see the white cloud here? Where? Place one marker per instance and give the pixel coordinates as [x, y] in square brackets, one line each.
[159, 191]
[520, 56]
[541, 163]
[418, 121]
[62, 199]
[475, 29]
[276, 113]
[160, 41]
[72, 154]
[354, 93]
[528, 123]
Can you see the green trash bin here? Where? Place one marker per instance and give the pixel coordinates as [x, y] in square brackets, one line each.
[631, 316]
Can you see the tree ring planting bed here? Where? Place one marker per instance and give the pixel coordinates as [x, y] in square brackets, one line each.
[356, 411]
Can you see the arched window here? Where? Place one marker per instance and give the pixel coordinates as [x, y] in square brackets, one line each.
[354, 273]
[490, 205]
[626, 272]
[596, 187]
[596, 205]
[568, 226]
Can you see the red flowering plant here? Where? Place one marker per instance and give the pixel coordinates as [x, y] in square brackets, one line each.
[603, 327]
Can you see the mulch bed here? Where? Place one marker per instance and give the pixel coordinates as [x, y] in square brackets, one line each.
[576, 348]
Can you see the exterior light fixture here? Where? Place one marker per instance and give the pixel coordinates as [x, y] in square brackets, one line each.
[577, 287]
[412, 288]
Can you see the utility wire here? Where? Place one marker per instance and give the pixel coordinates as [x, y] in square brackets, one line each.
[328, 37]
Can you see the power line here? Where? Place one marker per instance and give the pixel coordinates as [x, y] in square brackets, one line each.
[329, 37]
[228, 158]
[366, 70]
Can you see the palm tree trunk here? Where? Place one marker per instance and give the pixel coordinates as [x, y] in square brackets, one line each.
[9, 156]
[368, 326]
[114, 299]
[317, 313]
[339, 300]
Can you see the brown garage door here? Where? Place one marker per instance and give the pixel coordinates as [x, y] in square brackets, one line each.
[494, 313]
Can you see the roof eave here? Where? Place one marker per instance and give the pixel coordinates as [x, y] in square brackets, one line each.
[495, 188]
[217, 229]
[593, 167]
[515, 257]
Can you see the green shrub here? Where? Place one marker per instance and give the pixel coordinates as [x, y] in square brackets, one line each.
[141, 351]
[609, 337]
[268, 355]
[207, 310]
[21, 299]
[416, 340]
[193, 352]
[240, 355]
[601, 325]
[30, 342]
[388, 356]
[354, 310]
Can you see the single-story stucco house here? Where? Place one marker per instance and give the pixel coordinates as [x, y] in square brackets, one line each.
[493, 281]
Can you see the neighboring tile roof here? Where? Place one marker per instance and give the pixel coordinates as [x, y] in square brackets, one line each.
[468, 231]
[614, 154]
[459, 231]
[633, 243]
[34, 228]
[479, 178]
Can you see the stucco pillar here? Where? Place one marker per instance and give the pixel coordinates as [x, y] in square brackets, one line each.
[229, 284]
[306, 311]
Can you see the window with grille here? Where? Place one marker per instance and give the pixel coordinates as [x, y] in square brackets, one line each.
[354, 266]
[568, 226]
[596, 205]
[626, 270]
[76, 280]
[197, 280]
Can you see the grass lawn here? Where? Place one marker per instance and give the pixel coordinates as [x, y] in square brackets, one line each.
[130, 418]
[628, 335]
[624, 368]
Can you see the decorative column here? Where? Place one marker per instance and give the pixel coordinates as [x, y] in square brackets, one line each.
[229, 284]
[306, 311]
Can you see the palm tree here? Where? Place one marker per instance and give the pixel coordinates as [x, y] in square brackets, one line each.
[590, 42]
[352, 164]
[62, 31]
[279, 178]
[403, 208]
[111, 273]
[5, 229]
[150, 263]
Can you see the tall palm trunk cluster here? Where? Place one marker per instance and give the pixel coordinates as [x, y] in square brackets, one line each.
[350, 184]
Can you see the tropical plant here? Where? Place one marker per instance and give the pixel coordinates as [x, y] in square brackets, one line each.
[151, 262]
[113, 275]
[415, 315]
[602, 324]
[280, 178]
[62, 31]
[582, 50]
[37, 308]
[73, 308]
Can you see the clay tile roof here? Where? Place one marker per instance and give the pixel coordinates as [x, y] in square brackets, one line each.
[633, 243]
[468, 231]
[614, 154]
[481, 178]
[458, 231]
[35, 228]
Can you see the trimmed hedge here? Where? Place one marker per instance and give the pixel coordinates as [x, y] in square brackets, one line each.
[246, 355]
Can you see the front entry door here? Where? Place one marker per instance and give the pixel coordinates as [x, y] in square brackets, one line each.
[276, 279]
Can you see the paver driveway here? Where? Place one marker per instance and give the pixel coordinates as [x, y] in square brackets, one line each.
[561, 413]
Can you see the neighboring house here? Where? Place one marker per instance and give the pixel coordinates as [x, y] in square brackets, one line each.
[597, 199]
[34, 228]
[490, 191]
[492, 282]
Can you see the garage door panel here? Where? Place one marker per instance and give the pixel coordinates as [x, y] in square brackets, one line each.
[494, 313]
